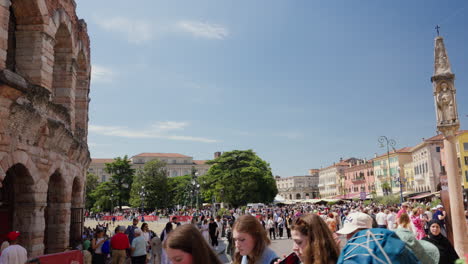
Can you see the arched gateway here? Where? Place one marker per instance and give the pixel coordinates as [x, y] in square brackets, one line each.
[44, 97]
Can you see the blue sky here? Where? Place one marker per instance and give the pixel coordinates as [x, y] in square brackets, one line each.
[302, 83]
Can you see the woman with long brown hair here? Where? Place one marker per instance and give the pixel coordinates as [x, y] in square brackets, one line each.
[251, 242]
[313, 241]
[186, 245]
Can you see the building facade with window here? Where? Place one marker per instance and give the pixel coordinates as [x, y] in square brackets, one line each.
[176, 164]
[359, 178]
[462, 155]
[331, 179]
[427, 165]
[388, 168]
[298, 187]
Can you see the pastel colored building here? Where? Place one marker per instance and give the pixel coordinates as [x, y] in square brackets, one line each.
[359, 178]
[331, 178]
[388, 168]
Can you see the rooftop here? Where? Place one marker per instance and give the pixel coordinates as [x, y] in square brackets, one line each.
[162, 155]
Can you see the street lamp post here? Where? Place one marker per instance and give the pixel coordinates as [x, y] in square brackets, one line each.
[400, 181]
[389, 143]
[142, 198]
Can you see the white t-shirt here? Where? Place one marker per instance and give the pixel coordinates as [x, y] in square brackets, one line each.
[391, 221]
[14, 254]
[381, 218]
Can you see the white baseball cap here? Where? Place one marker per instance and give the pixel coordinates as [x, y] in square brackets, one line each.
[439, 206]
[355, 221]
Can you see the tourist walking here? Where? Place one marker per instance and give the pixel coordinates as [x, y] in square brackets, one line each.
[131, 229]
[270, 226]
[448, 255]
[213, 229]
[119, 244]
[138, 248]
[14, 253]
[251, 242]
[96, 244]
[165, 233]
[418, 222]
[186, 245]
[204, 231]
[156, 250]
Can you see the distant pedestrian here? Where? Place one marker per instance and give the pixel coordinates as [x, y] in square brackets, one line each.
[213, 230]
[131, 230]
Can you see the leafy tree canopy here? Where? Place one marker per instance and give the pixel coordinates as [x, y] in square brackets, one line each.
[91, 184]
[239, 177]
[150, 186]
[121, 179]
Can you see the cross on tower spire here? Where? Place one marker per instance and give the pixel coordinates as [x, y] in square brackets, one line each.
[437, 28]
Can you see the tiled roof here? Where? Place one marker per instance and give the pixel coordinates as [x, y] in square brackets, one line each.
[402, 150]
[102, 160]
[162, 155]
[199, 162]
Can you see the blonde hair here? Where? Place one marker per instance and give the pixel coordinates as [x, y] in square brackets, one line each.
[404, 221]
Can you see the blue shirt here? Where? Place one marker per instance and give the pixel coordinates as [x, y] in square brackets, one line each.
[139, 244]
[267, 257]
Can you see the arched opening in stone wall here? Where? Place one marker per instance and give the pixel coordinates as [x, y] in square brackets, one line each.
[11, 48]
[63, 80]
[298, 196]
[76, 212]
[56, 213]
[290, 197]
[81, 98]
[17, 198]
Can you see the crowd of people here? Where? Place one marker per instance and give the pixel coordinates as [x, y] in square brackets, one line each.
[318, 234]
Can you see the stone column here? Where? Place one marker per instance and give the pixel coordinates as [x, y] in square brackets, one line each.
[457, 214]
[5, 16]
[29, 221]
[448, 123]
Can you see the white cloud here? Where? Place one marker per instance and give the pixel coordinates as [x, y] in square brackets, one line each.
[203, 30]
[158, 130]
[100, 73]
[136, 31]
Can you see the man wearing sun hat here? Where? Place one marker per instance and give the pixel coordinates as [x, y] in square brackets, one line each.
[14, 254]
[354, 223]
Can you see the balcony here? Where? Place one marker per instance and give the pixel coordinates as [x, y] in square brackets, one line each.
[358, 180]
[418, 177]
[321, 185]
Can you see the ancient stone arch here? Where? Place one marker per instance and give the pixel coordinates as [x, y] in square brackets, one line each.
[39, 138]
[76, 214]
[56, 229]
[18, 203]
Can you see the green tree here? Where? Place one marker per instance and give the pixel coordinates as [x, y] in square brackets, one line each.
[102, 197]
[239, 177]
[178, 187]
[91, 184]
[150, 186]
[121, 179]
